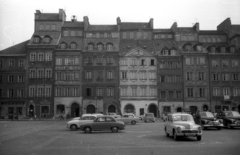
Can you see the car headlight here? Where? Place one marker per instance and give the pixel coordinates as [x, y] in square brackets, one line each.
[199, 129]
[179, 129]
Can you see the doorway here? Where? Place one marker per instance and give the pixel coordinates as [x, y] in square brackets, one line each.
[75, 110]
[90, 109]
[153, 109]
[31, 111]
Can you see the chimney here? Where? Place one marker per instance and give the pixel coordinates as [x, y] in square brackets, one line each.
[37, 14]
[151, 23]
[118, 23]
[86, 23]
[62, 15]
[74, 18]
[174, 27]
[196, 27]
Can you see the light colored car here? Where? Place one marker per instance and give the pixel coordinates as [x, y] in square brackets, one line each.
[94, 114]
[103, 123]
[149, 117]
[115, 115]
[129, 118]
[182, 125]
[75, 123]
[209, 121]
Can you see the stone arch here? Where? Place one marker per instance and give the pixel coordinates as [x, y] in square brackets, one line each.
[112, 108]
[205, 107]
[179, 109]
[75, 109]
[90, 109]
[129, 108]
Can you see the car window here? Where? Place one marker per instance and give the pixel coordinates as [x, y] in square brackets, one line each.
[92, 117]
[203, 114]
[228, 114]
[182, 118]
[125, 115]
[101, 119]
[84, 118]
[109, 119]
[149, 115]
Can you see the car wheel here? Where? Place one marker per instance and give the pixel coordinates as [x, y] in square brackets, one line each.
[114, 129]
[229, 126]
[219, 128]
[73, 127]
[133, 122]
[87, 130]
[167, 134]
[175, 137]
[199, 138]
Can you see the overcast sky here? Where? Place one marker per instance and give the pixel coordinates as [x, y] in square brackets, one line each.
[17, 16]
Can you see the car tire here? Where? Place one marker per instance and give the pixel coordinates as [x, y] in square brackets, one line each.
[73, 127]
[133, 122]
[114, 129]
[167, 134]
[87, 130]
[219, 128]
[175, 137]
[229, 126]
[199, 138]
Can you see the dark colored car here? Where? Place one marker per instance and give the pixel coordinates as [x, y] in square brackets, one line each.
[102, 123]
[229, 119]
[209, 121]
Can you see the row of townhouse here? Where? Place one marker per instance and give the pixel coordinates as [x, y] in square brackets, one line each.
[72, 67]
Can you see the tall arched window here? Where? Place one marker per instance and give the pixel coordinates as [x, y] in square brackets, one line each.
[213, 39]
[90, 46]
[100, 47]
[73, 45]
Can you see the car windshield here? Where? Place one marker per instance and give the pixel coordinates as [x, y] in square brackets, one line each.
[232, 114]
[182, 118]
[206, 114]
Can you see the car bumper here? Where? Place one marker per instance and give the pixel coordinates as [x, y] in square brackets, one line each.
[235, 125]
[189, 134]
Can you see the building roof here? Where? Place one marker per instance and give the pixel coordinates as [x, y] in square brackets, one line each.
[69, 40]
[55, 36]
[48, 16]
[16, 49]
[128, 44]
[162, 31]
[73, 24]
[133, 25]
[236, 29]
[102, 28]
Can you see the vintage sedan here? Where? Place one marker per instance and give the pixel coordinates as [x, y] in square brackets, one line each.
[129, 118]
[182, 125]
[75, 123]
[103, 123]
[149, 117]
[209, 121]
[230, 119]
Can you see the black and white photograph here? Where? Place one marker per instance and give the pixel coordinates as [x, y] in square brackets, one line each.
[119, 77]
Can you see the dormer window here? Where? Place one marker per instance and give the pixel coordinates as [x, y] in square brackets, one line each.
[63, 46]
[109, 47]
[173, 52]
[199, 48]
[47, 40]
[90, 47]
[36, 39]
[164, 52]
[232, 49]
[73, 45]
[188, 48]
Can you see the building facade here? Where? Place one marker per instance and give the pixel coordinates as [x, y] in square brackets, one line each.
[73, 67]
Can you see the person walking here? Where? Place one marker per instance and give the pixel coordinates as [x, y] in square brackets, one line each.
[197, 118]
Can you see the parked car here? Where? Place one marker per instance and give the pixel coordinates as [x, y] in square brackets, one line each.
[115, 115]
[182, 125]
[102, 123]
[129, 118]
[230, 119]
[94, 114]
[75, 123]
[208, 120]
[149, 117]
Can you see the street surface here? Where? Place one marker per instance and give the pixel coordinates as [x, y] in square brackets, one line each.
[52, 138]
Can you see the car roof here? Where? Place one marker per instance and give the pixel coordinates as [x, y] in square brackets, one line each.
[180, 114]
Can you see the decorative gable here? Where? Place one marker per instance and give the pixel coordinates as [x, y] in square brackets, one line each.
[138, 52]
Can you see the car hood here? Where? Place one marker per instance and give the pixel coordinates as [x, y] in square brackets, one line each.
[79, 121]
[187, 125]
[236, 118]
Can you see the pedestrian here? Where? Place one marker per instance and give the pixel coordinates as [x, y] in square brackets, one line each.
[198, 118]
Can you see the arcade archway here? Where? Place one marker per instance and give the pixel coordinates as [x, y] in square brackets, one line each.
[75, 110]
[153, 109]
[90, 109]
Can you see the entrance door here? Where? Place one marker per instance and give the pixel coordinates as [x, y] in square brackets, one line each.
[179, 109]
[153, 109]
[193, 109]
[90, 109]
[112, 109]
[75, 110]
[141, 111]
[129, 109]
[31, 111]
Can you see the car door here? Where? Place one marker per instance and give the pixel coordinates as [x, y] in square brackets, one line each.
[110, 122]
[99, 124]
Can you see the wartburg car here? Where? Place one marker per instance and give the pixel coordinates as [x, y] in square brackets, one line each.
[230, 119]
[75, 123]
[103, 123]
[129, 118]
[209, 121]
[182, 125]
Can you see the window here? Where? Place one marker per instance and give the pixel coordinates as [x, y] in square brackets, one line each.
[99, 75]
[11, 78]
[223, 49]
[143, 62]
[152, 62]
[236, 91]
[21, 63]
[189, 61]
[100, 47]
[73, 46]
[201, 92]
[109, 59]
[200, 61]
[173, 52]
[179, 94]
[163, 94]
[110, 92]
[188, 48]
[219, 40]
[134, 91]
[225, 63]
[152, 75]
[226, 91]
[234, 63]
[32, 91]
[124, 91]
[138, 35]
[162, 78]
[216, 91]
[131, 35]
[48, 90]
[143, 91]
[45, 109]
[189, 92]
[152, 92]
[75, 91]
[58, 61]
[109, 35]
[63, 46]
[199, 48]
[48, 56]
[36, 40]
[32, 73]
[109, 74]
[40, 91]
[65, 33]
[46, 40]
[10, 93]
[99, 60]
[99, 92]
[41, 27]
[236, 76]
[201, 76]
[143, 75]
[89, 60]
[213, 49]
[88, 75]
[170, 94]
[72, 33]
[11, 63]
[40, 73]
[124, 75]
[189, 76]
[32, 56]
[109, 47]
[48, 73]
[124, 35]
[215, 76]
[40, 57]
[156, 36]
[20, 93]
[225, 76]
[133, 75]
[232, 49]
[53, 27]
[90, 47]
[215, 63]
[88, 92]
[20, 78]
